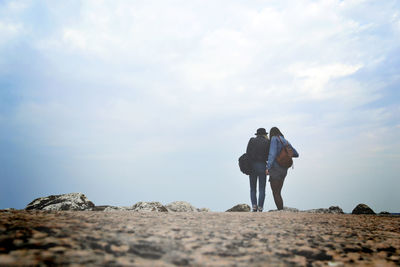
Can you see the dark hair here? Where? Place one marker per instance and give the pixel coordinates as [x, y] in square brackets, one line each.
[275, 132]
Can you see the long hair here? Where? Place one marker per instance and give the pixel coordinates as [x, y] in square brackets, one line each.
[275, 132]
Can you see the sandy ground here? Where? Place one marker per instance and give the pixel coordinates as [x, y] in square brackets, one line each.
[127, 238]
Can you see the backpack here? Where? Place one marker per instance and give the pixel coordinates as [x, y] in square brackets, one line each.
[284, 158]
[245, 164]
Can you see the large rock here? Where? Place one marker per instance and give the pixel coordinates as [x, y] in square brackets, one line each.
[240, 208]
[180, 206]
[71, 201]
[362, 209]
[332, 210]
[149, 207]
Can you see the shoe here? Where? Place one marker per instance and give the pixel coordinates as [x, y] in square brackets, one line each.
[255, 208]
[260, 209]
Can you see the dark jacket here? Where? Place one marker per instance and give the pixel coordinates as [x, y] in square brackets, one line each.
[258, 149]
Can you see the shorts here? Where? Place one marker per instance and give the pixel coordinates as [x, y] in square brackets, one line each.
[277, 173]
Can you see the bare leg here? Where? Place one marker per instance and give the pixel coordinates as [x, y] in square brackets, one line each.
[276, 186]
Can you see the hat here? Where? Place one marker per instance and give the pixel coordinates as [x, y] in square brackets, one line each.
[261, 131]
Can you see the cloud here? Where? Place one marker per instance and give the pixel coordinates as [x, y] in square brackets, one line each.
[315, 79]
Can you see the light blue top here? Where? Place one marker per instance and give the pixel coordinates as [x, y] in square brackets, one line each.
[276, 147]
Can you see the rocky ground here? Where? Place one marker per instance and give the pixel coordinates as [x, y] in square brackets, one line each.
[123, 238]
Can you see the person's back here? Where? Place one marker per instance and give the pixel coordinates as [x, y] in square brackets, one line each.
[257, 150]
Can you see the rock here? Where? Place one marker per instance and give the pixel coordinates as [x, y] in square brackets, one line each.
[100, 208]
[148, 207]
[71, 201]
[335, 210]
[384, 213]
[322, 210]
[286, 209]
[362, 209]
[332, 209]
[204, 210]
[180, 206]
[240, 208]
[109, 208]
[290, 209]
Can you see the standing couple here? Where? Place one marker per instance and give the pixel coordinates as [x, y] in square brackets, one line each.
[263, 153]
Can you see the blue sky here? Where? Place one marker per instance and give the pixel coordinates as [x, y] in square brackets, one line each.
[156, 100]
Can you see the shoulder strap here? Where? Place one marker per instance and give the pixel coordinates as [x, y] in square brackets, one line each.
[280, 140]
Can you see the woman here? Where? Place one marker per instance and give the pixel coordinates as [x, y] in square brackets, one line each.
[276, 172]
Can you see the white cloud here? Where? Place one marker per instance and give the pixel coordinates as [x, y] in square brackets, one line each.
[9, 31]
[314, 80]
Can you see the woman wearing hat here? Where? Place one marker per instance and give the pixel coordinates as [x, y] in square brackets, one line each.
[277, 173]
[257, 150]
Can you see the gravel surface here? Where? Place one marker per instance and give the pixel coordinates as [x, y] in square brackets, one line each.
[124, 238]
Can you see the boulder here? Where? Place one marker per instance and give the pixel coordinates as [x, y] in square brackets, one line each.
[240, 208]
[149, 207]
[332, 209]
[180, 206]
[362, 209]
[71, 201]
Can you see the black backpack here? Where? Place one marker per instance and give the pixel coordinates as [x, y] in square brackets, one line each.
[245, 164]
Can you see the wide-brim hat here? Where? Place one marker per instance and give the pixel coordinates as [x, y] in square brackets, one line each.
[261, 131]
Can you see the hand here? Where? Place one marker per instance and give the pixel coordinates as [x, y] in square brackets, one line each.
[267, 172]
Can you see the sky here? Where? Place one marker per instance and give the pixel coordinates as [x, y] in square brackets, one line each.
[129, 101]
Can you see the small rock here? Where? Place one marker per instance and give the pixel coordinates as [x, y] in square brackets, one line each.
[71, 201]
[322, 210]
[335, 210]
[204, 210]
[362, 209]
[180, 206]
[240, 208]
[332, 209]
[384, 213]
[107, 208]
[286, 209]
[149, 207]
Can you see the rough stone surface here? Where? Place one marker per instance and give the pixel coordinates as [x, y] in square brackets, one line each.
[362, 209]
[384, 213]
[180, 206]
[240, 208]
[71, 201]
[149, 207]
[332, 209]
[126, 238]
